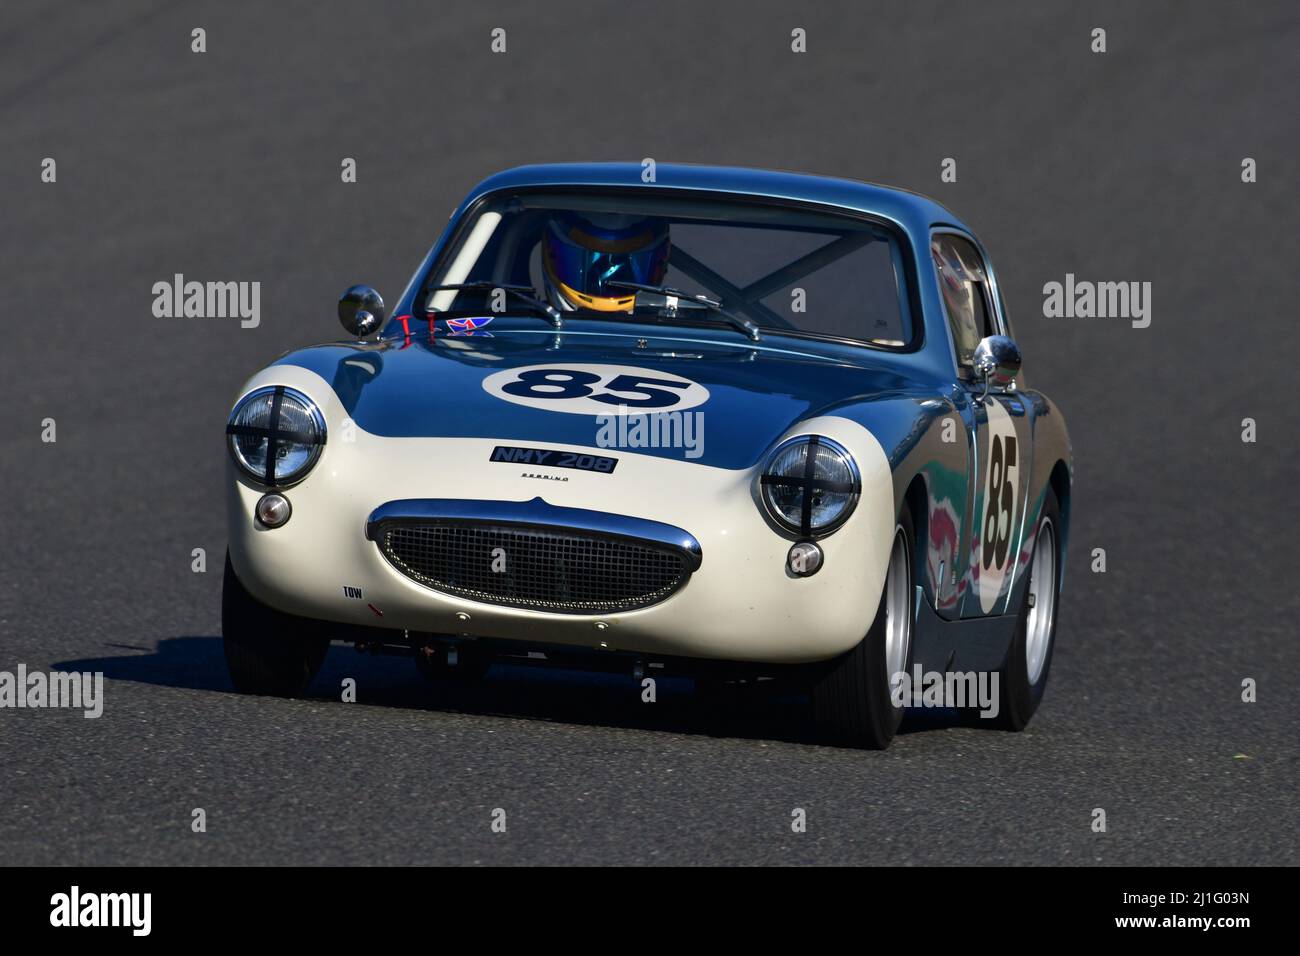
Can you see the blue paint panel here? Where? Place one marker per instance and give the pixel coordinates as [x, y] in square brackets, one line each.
[395, 389]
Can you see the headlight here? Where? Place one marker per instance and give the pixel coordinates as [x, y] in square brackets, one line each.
[810, 485]
[275, 435]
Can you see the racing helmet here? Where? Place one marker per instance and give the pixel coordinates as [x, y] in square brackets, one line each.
[583, 253]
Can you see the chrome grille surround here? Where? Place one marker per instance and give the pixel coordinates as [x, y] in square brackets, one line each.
[579, 562]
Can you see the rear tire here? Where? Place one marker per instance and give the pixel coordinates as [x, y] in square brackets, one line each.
[1023, 677]
[852, 698]
[267, 651]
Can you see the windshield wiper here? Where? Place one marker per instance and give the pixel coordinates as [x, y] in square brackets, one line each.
[674, 296]
[524, 293]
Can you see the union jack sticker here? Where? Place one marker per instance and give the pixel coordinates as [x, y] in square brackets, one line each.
[467, 325]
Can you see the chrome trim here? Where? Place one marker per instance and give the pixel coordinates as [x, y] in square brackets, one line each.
[854, 494]
[534, 514]
[899, 612]
[257, 511]
[801, 569]
[996, 362]
[361, 311]
[1040, 611]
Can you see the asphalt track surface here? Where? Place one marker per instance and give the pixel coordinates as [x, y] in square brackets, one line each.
[1116, 166]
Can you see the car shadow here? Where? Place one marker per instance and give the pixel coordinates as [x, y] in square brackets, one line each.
[518, 691]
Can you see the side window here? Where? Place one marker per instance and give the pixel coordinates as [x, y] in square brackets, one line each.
[966, 294]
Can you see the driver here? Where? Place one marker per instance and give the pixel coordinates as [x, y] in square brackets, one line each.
[583, 252]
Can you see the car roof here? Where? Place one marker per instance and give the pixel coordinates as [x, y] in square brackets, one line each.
[911, 210]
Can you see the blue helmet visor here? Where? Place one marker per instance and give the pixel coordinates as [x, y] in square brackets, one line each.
[587, 260]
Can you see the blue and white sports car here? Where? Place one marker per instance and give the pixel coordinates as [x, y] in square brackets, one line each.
[722, 422]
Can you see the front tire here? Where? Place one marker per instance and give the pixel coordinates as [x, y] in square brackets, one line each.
[267, 651]
[852, 698]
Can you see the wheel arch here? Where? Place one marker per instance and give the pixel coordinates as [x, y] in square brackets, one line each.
[916, 501]
[1059, 481]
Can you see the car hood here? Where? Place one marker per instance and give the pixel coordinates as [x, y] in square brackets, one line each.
[417, 387]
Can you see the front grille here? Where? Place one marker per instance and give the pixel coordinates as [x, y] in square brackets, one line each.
[561, 570]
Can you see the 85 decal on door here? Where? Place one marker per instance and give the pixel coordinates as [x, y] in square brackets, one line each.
[596, 389]
[997, 545]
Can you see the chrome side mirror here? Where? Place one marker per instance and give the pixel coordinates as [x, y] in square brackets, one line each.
[361, 310]
[997, 363]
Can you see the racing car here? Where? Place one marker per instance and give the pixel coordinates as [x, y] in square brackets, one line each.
[729, 423]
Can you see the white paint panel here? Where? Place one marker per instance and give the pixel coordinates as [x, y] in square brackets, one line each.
[742, 604]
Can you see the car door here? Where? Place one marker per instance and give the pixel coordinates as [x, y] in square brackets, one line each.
[997, 429]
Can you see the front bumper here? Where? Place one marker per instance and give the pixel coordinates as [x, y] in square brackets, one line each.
[741, 604]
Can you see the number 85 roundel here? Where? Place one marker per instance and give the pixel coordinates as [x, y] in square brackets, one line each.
[581, 389]
[996, 548]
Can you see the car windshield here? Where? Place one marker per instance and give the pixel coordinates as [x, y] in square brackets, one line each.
[593, 255]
